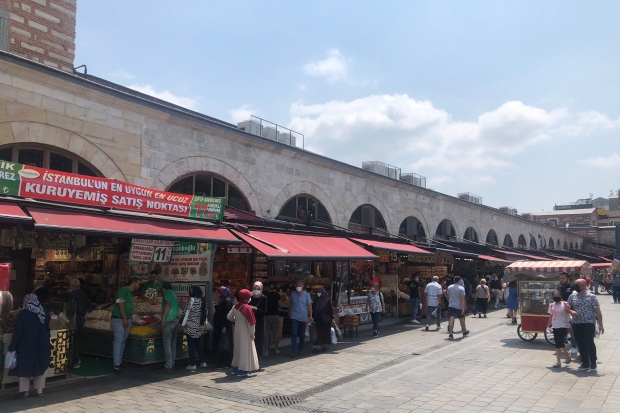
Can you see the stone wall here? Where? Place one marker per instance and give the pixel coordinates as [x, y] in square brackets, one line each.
[134, 140]
[43, 31]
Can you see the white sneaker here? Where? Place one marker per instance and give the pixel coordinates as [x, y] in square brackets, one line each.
[203, 365]
[439, 327]
[415, 321]
[190, 368]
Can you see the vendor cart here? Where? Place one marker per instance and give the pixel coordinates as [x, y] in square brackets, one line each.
[536, 281]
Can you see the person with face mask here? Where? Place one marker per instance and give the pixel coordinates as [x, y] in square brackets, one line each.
[300, 313]
[414, 296]
[323, 315]
[258, 304]
[376, 307]
[586, 312]
[559, 316]
[566, 289]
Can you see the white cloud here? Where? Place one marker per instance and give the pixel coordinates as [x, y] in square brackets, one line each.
[334, 67]
[421, 138]
[244, 112]
[122, 74]
[186, 102]
[604, 162]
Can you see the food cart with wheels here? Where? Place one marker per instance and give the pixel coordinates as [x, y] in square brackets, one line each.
[536, 281]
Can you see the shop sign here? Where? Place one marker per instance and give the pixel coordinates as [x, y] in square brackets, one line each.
[141, 253]
[239, 249]
[384, 256]
[189, 262]
[436, 258]
[182, 291]
[39, 183]
[149, 250]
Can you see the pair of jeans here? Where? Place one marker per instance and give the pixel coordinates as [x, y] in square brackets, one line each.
[616, 292]
[298, 331]
[193, 346]
[584, 333]
[429, 311]
[415, 306]
[77, 334]
[120, 337]
[573, 340]
[169, 334]
[595, 284]
[376, 318]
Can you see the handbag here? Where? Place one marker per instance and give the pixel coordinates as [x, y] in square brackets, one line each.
[187, 310]
[11, 360]
[224, 345]
[338, 332]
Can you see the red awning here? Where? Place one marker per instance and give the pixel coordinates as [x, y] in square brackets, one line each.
[493, 259]
[116, 225]
[601, 265]
[517, 256]
[390, 246]
[605, 259]
[11, 212]
[233, 213]
[550, 267]
[294, 246]
[561, 257]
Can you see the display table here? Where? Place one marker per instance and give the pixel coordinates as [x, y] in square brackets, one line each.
[61, 357]
[138, 349]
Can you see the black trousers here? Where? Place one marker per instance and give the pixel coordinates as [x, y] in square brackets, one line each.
[482, 304]
[584, 334]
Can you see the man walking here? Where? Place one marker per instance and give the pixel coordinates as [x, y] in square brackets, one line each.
[414, 296]
[433, 296]
[169, 326]
[300, 313]
[616, 285]
[456, 306]
[586, 312]
[566, 289]
[78, 306]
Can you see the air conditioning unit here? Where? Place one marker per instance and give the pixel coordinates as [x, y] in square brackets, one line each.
[528, 216]
[287, 138]
[250, 126]
[508, 210]
[382, 169]
[553, 222]
[413, 179]
[474, 199]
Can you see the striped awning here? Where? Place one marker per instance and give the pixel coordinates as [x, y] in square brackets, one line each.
[546, 267]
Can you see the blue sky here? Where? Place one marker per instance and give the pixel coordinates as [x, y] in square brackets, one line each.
[517, 102]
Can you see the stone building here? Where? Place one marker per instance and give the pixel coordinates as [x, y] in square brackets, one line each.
[83, 124]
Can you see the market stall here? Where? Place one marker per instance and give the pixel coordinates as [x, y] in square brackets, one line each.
[536, 281]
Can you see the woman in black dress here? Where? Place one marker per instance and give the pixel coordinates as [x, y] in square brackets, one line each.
[322, 314]
[221, 326]
[258, 303]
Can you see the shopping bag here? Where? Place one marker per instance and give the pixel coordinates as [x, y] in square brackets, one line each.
[224, 344]
[333, 336]
[313, 333]
[11, 360]
[338, 332]
[434, 313]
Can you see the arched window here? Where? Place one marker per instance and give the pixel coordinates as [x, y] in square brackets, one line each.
[571, 247]
[445, 230]
[210, 185]
[508, 241]
[366, 218]
[558, 244]
[551, 244]
[533, 244]
[412, 228]
[48, 157]
[302, 207]
[565, 246]
[522, 242]
[471, 234]
[543, 242]
[492, 237]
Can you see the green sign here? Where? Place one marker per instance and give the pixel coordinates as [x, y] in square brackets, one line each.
[207, 207]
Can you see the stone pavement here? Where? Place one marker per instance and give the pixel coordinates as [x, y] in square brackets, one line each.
[406, 369]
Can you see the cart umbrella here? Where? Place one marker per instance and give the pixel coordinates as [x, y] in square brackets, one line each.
[548, 267]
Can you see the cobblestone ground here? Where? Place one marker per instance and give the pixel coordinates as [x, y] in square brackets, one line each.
[406, 369]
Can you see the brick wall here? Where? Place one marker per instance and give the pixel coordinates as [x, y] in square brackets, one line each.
[42, 30]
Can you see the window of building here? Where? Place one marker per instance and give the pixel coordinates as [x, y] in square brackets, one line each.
[522, 242]
[508, 241]
[471, 234]
[533, 244]
[412, 228]
[43, 156]
[302, 207]
[4, 30]
[492, 237]
[366, 217]
[551, 244]
[445, 230]
[209, 185]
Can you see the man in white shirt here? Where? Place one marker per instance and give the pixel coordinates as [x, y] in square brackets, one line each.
[457, 307]
[433, 296]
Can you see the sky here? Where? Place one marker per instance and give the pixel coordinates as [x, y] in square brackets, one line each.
[515, 101]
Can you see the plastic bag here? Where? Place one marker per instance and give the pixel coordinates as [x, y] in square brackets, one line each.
[338, 332]
[434, 313]
[333, 336]
[224, 345]
[10, 361]
[313, 332]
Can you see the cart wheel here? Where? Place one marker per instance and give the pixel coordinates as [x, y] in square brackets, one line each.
[526, 336]
[610, 290]
[550, 339]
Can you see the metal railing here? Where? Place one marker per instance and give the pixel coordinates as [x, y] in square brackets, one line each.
[278, 133]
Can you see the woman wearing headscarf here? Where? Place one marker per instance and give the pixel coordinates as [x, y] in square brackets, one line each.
[323, 314]
[221, 326]
[194, 328]
[258, 303]
[31, 342]
[245, 358]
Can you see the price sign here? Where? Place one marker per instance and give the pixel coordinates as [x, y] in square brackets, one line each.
[150, 293]
[162, 254]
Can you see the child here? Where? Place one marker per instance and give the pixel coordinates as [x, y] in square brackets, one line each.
[559, 320]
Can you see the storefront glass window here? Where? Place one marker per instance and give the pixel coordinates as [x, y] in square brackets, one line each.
[60, 163]
[32, 157]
